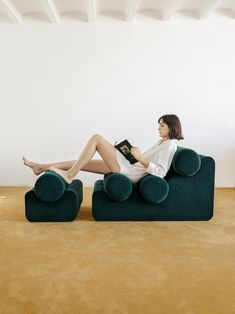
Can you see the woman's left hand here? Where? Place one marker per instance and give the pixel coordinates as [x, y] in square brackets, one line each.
[135, 151]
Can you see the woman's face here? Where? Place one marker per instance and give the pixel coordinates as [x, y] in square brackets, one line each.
[163, 130]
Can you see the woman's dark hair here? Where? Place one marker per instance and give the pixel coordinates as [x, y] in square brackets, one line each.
[174, 126]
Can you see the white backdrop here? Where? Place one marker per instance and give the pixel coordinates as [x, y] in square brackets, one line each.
[60, 83]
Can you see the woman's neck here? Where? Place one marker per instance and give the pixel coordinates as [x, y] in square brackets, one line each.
[164, 139]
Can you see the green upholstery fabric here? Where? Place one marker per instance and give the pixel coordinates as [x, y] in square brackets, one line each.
[189, 198]
[49, 187]
[153, 189]
[63, 209]
[186, 162]
[117, 186]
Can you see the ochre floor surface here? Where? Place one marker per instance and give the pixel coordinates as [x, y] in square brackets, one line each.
[90, 267]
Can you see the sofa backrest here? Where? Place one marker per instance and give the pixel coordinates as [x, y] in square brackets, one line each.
[186, 162]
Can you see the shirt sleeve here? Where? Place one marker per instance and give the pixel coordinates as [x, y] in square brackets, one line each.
[163, 160]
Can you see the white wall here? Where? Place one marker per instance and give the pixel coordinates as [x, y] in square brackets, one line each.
[60, 83]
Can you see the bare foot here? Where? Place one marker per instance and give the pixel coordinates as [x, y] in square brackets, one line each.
[37, 169]
[63, 174]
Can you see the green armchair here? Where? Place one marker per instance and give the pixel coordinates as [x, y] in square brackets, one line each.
[186, 193]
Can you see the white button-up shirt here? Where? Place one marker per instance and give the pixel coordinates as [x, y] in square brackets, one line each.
[159, 156]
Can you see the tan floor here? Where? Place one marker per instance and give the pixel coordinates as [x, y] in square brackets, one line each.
[86, 266]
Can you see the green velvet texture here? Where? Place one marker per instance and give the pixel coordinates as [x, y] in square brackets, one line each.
[186, 162]
[189, 198]
[64, 209]
[153, 189]
[49, 187]
[117, 186]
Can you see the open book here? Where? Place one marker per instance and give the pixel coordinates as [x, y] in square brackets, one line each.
[125, 148]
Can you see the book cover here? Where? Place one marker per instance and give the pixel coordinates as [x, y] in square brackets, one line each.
[124, 148]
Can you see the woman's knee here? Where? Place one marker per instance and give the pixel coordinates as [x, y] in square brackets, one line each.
[116, 169]
[96, 137]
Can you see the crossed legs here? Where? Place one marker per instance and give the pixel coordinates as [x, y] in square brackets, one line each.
[69, 169]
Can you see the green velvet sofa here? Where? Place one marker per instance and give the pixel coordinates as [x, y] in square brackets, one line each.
[52, 199]
[185, 194]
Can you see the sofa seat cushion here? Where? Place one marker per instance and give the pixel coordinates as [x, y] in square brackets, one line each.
[153, 189]
[117, 186]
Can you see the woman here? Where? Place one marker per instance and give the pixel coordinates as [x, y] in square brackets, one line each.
[155, 161]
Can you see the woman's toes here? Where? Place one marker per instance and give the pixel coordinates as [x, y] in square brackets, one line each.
[36, 168]
[25, 161]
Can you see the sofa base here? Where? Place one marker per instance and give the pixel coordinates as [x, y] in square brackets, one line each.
[63, 210]
[189, 199]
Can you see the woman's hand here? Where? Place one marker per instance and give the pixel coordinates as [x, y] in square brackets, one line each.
[135, 151]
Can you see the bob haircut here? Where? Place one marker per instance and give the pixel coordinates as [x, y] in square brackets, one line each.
[174, 125]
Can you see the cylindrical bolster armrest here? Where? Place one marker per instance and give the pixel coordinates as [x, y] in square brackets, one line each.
[50, 187]
[117, 186]
[75, 186]
[186, 162]
[99, 186]
[153, 189]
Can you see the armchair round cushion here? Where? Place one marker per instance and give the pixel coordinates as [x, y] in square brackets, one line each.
[186, 162]
[49, 187]
[117, 186]
[153, 189]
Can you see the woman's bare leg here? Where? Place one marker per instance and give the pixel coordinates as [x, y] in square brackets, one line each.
[96, 143]
[38, 168]
[96, 166]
